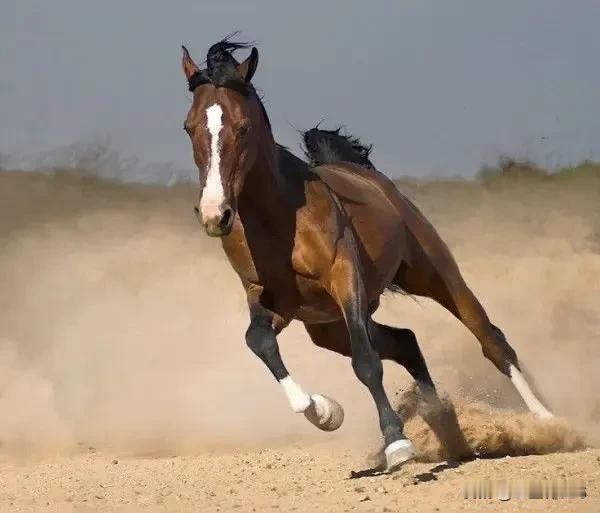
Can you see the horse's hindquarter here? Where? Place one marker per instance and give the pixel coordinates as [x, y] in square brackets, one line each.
[365, 196]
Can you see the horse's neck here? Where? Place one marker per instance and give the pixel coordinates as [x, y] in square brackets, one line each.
[262, 185]
[268, 192]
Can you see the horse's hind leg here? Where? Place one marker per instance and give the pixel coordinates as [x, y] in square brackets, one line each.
[452, 292]
[401, 346]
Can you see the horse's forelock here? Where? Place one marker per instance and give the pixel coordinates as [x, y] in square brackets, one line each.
[222, 70]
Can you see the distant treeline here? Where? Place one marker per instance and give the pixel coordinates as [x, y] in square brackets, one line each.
[509, 168]
[99, 159]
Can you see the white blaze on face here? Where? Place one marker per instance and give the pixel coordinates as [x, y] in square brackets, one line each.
[213, 194]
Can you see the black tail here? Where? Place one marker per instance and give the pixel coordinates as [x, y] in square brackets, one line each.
[326, 146]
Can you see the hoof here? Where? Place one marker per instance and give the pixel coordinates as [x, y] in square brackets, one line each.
[325, 413]
[398, 453]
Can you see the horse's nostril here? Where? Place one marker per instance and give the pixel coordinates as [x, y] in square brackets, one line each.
[226, 217]
[196, 209]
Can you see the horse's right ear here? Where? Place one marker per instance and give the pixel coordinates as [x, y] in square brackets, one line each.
[248, 67]
[188, 65]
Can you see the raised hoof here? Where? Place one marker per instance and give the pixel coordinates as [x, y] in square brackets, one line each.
[398, 453]
[325, 413]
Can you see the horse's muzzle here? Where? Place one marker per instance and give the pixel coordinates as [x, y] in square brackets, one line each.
[221, 224]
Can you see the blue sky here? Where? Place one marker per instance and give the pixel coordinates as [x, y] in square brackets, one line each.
[438, 87]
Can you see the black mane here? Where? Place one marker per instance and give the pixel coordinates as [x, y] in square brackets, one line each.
[327, 146]
[222, 68]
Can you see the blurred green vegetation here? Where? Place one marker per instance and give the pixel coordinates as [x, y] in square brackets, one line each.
[512, 169]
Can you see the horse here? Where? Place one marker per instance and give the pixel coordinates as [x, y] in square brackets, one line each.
[320, 242]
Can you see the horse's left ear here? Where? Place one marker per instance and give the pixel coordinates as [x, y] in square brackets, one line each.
[248, 67]
[187, 63]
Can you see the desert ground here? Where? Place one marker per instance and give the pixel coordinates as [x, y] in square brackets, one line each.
[126, 385]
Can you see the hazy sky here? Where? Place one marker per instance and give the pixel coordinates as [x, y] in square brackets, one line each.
[438, 86]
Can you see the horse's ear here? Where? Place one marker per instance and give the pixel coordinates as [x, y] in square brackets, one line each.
[188, 65]
[248, 67]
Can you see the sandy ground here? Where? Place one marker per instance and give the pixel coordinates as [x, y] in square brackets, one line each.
[314, 477]
[125, 382]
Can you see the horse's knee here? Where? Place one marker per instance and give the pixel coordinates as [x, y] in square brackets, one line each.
[259, 337]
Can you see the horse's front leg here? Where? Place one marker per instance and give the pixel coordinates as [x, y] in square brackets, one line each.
[323, 412]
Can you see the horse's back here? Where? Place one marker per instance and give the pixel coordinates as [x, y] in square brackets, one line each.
[386, 219]
[389, 226]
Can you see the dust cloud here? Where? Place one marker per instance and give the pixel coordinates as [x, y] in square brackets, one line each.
[121, 323]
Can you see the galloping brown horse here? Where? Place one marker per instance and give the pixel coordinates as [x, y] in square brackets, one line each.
[321, 244]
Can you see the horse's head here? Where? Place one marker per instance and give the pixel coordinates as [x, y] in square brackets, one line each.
[226, 123]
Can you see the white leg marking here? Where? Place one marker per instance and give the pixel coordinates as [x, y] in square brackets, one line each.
[213, 194]
[530, 399]
[399, 452]
[298, 398]
[403, 445]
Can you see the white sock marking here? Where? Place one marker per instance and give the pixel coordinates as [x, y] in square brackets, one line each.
[405, 445]
[213, 194]
[299, 400]
[530, 399]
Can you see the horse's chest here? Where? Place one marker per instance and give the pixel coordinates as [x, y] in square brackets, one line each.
[258, 258]
[289, 287]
